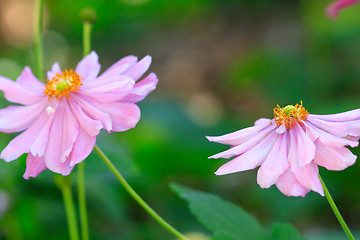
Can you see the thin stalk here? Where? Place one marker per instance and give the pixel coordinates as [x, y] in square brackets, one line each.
[82, 202]
[38, 42]
[65, 187]
[87, 26]
[336, 211]
[137, 198]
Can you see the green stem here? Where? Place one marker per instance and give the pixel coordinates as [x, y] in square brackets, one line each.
[87, 38]
[65, 186]
[137, 198]
[336, 211]
[82, 203]
[38, 42]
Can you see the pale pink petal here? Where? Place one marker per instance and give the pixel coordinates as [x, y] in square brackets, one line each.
[15, 93]
[142, 89]
[101, 84]
[333, 10]
[18, 118]
[91, 126]
[338, 117]
[238, 137]
[241, 148]
[332, 158]
[63, 133]
[329, 139]
[28, 81]
[275, 164]
[22, 143]
[262, 122]
[89, 67]
[42, 137]
[339, 129]
[250, 159]
[139, 68]
[93, 112]
[120, 66]
[34, 166]
[124, 116]
[289, 185]
[82, 147]
[308, 176]
[54, 70]
[303, 151]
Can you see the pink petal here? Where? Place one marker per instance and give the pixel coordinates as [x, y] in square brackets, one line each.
[91, 126]
[34, 166]
[333, 158]
[89, 67]
[15, 93]
[289, 185]
[120, 66]
[250, 159]
[262, 122]
[339, 129]
[338, 117]
[240, 149]
[18, 118]
[82, 147]
[333, 10]
[54, 70]
[329, 139]
[124, 116]
[42, 137]
[22, 143]
[238, 137]
[302, 148]
[275, 164]
[63, 133]
[142, 89]
[93, 112]
[29, 82]
[139, 68]
[308, 176]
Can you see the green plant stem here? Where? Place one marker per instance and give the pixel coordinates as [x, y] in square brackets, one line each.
[82, 202]
[65, 186]
[87, 37]
[38, 42]
[336, 211]
[137, 198]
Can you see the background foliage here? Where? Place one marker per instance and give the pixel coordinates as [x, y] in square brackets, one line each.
[221, 66]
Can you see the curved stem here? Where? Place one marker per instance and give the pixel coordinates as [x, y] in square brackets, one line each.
[82, 202]
[65, 186]
[137, 198]
[336, 211]
[38, 42]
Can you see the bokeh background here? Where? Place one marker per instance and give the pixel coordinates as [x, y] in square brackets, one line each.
[221, 65]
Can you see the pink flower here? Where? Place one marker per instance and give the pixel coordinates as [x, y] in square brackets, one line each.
[333, 10]
[290, 147]
[61, 119]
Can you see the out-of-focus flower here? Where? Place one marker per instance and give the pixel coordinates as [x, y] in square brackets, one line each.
[290, 147]
[62, 118]
[333, 10]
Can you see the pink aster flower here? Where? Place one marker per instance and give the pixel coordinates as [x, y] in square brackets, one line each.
[290, 147]
[61, 119]
[333, 10]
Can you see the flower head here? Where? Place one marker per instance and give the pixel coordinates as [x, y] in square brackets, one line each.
[333, 10]
[290, 147]
[61, 119]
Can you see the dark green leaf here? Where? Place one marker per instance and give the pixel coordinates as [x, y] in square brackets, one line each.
[285, 231]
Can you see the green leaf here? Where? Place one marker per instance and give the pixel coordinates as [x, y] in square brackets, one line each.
[224, 219]
[285, 231]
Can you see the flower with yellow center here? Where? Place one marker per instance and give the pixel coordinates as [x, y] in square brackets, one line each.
[290, 147]
[63, 84]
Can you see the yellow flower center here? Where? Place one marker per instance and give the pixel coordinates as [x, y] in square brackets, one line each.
[63, 84]
[289, 115]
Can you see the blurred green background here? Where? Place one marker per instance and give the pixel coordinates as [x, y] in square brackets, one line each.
[221, 65]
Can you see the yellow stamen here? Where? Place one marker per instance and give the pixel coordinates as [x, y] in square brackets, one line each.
[289, 115]
[63, 84]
